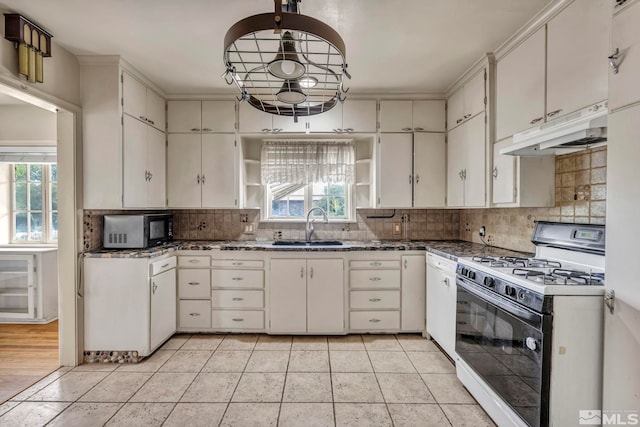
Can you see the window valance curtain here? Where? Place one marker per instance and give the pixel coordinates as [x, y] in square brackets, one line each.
[304, 162]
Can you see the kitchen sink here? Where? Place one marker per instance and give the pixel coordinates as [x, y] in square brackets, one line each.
[311, 243]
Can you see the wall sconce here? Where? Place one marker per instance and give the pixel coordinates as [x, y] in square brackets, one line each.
[33, 44]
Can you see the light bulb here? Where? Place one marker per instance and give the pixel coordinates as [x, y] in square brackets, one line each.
[288, 67]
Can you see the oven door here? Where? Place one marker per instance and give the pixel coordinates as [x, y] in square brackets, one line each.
[508, 346]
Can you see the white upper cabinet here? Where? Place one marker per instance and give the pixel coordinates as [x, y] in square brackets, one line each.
[184, 116]
[359, 116]
[288, 124]
[201, 116]
[504, 175]
[142, 103]
[467, 101]
[466, 164]
[455, 164]
[577, 47]
[520, 87]
[219, 171]
[219, 116]
[429, 169]
[395, 177]
[410, 116]
[252, 120]
[327, 122]
[184, 170]
[624, 86]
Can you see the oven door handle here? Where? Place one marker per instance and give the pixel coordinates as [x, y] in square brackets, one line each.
[534, 319]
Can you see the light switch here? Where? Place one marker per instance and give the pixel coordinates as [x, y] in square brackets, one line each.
[248, 229]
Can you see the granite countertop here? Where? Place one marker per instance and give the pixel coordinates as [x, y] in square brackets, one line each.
[451, 249]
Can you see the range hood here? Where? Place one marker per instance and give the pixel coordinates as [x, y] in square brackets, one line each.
[583, 129]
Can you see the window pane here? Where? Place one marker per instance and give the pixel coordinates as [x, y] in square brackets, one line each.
[35, 173]
[336, 189]
[36, 226]
[21, 196]
[21, 226]
[296, 208]
[54, 173]
[54, 196]
[54, 226]
[279, 207]
[319, 202]
[20, 172]
[35, 197]
[336, 206]
[319, 188]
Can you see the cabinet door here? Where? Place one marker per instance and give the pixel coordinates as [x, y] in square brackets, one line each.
[520, 89]
[134, 97]
[504, 174]
[219, 171]
[163, 307]
[328, 121]
[184, 171]
[429, 115]
[395, 176]
[455, 109]
[413, 293]
[441, 308]
[474, 95]
[135, 163]
[361, 116]
[219, 116]
[577, 46]
[624, 87]
[396, 116]
[456, 159]
[156, 111]
[184, 116]
[288, 295]
[288, 124]
[475, 166]
[325, 295]
[429, 162]
[252, 120]
[157, 166]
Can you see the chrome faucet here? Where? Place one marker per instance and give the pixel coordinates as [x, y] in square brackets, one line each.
[309, 227]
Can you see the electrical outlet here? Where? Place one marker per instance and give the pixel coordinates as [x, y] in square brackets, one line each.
[248, 229]
[483, 231]
[397, 228]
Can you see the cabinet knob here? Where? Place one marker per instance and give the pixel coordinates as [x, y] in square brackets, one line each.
[237, 299]
[613, 58]
[194, 283]
[374, 299]
[374, 320]
[194, 314]
[495, 172]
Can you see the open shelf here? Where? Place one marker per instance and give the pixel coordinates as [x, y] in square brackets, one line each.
[14, 292]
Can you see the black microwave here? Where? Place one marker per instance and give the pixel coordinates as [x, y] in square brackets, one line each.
[137, 231]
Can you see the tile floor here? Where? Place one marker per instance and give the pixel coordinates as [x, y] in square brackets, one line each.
[258, 380]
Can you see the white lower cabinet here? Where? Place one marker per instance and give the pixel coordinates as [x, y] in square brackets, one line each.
[194, 293]
[194, 314]
[306, 295]
[413, 293]
[441, 302]
[163, 306]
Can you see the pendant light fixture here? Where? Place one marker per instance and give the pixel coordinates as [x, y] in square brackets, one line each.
[286, 63]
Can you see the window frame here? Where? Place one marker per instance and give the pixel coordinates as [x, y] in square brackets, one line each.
[308, 201]
[47, 204]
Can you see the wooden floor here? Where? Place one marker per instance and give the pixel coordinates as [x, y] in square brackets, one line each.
[27, 353]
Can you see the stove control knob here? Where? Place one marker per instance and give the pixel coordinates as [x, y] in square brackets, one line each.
[464, 271]
[509, 290]
[489, 282]
[471, 275]
[521, 295]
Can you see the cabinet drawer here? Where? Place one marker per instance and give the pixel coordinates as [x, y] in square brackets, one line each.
[238, 263]
[374, 278]
[194, 314]
[194, 261]
[374, 299]
[441, 263]
[224, 319]
[237, 278]
[375, 264]
[194, 283]
[237, 299]
[374, 320]
[162, 265]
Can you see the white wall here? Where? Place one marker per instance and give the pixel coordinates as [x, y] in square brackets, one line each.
[27, 123]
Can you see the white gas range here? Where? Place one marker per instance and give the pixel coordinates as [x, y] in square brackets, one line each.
[529, 330]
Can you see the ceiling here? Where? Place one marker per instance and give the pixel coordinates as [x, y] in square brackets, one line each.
[398, 46]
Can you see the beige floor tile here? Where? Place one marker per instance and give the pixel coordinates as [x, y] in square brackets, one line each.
[269, 342]
[69, 387]
[362, 415]
[412, 415]
[431, 363]
[309, 361]
[347, 342]
[164, 387]
[404, 388]
[238, 342]
[307, 387]
[212, 387]
[25, 394]
[350, 361]
[7, 406]
[176, 342]
[251, 415]
[227, 361]
[186, 361]
[446, 388]
[391, 361]
[150, 364]
[268, 361]
[96, 367]
[28, 414]
[117, 387]
[416, 343]
[356, 388]
[85, 414]
[141, 414]
[256, 387]
[381, 343]
[203, 342]
[309, 343]
[467, 416]
[306, 414]
[196, 415]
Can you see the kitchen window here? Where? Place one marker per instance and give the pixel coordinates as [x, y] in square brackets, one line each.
[34, 209]
[300, 175]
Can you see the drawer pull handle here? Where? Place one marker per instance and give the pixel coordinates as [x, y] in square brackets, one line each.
[194, 314]
[237, 319]
[375, 264]
[375, 299]
[237, 299]
[194, 261]
[374, 320]
[195, 129]
[194, 283]
[237, 263]
[446, 281]
[237, 278]
[164, 265]
[375, 279]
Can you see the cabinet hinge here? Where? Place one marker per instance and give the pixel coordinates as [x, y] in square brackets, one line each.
[122, 101]
[122, 120]
[485, 101]
[515, 192]
[485, 74]
[122, 78]
[235, 143]
[378, 200]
